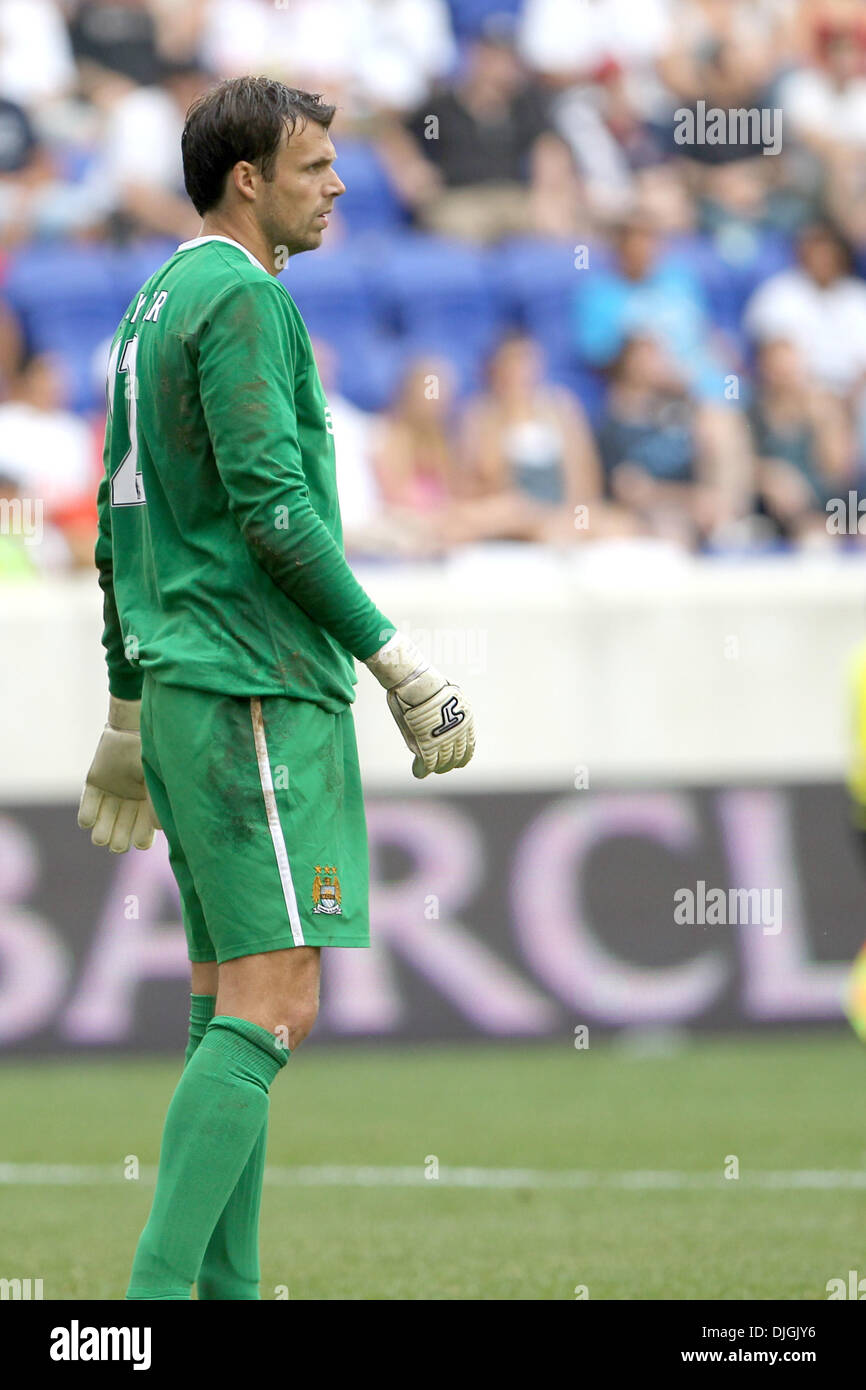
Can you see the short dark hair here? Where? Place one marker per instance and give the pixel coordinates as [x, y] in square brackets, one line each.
[827, 230]
[242, 118]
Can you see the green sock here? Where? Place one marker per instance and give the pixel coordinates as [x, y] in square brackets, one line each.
[215, 1117]
[202, 1008]
[230, 1268]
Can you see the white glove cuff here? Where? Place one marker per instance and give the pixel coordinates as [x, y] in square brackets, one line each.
[397, 661]
[124, 715]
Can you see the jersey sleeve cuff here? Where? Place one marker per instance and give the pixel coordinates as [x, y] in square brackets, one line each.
[125, 685]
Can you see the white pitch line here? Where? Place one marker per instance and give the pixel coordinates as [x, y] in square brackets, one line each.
[328, 1175]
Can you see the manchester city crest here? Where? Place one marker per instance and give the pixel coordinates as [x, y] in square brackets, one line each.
[326, 890]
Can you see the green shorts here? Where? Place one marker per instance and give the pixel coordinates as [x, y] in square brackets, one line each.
[260, 800]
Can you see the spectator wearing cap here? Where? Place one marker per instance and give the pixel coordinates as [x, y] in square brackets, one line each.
[824, 105]
[824, 102]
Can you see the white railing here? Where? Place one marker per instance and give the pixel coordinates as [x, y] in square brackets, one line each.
[610, 666]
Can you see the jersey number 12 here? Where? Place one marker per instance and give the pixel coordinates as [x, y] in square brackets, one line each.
[127, 489]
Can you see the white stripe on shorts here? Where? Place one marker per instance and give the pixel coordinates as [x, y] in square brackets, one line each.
[274, 820]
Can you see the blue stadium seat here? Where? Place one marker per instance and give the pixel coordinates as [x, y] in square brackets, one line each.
[536, 281]
[369, 203]
[131, 266]
[467, 362]
[728, 281]
[467, 16]
[332, 292]
[66, 299]
[370, 368]
[590, 387]
[436, 290]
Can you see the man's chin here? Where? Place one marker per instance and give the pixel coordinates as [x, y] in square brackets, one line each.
[311, 242]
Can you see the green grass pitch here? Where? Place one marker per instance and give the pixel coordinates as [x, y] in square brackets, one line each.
[783, 1106]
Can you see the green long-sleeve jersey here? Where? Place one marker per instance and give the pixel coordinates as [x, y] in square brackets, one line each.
[220, 548]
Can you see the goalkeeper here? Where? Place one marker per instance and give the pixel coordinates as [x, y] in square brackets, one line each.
[230, 622]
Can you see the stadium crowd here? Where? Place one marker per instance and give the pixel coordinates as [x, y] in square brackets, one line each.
[561, 299]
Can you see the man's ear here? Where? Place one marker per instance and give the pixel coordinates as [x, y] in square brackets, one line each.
[245, 177]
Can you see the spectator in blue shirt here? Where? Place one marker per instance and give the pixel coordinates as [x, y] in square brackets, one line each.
[643, 292]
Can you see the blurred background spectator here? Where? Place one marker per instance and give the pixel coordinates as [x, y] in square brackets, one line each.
[820, 306]
[480, 158]
[531, 460]
[51, 455]
[385, 468]
[670, 335]
[678, 463]
[802, 442]
[644, 291]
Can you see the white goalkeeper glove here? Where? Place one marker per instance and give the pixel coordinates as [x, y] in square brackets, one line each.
[115, 803]
[433, 715]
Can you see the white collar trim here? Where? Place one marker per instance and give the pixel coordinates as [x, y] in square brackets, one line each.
[201, 240]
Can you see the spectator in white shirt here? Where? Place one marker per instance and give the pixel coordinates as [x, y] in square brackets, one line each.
[47, 449]
[377, 53]
[820, 307]
[35, 53]
[142, 156]
[825, 105]
[51, 458]
[571, 37]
